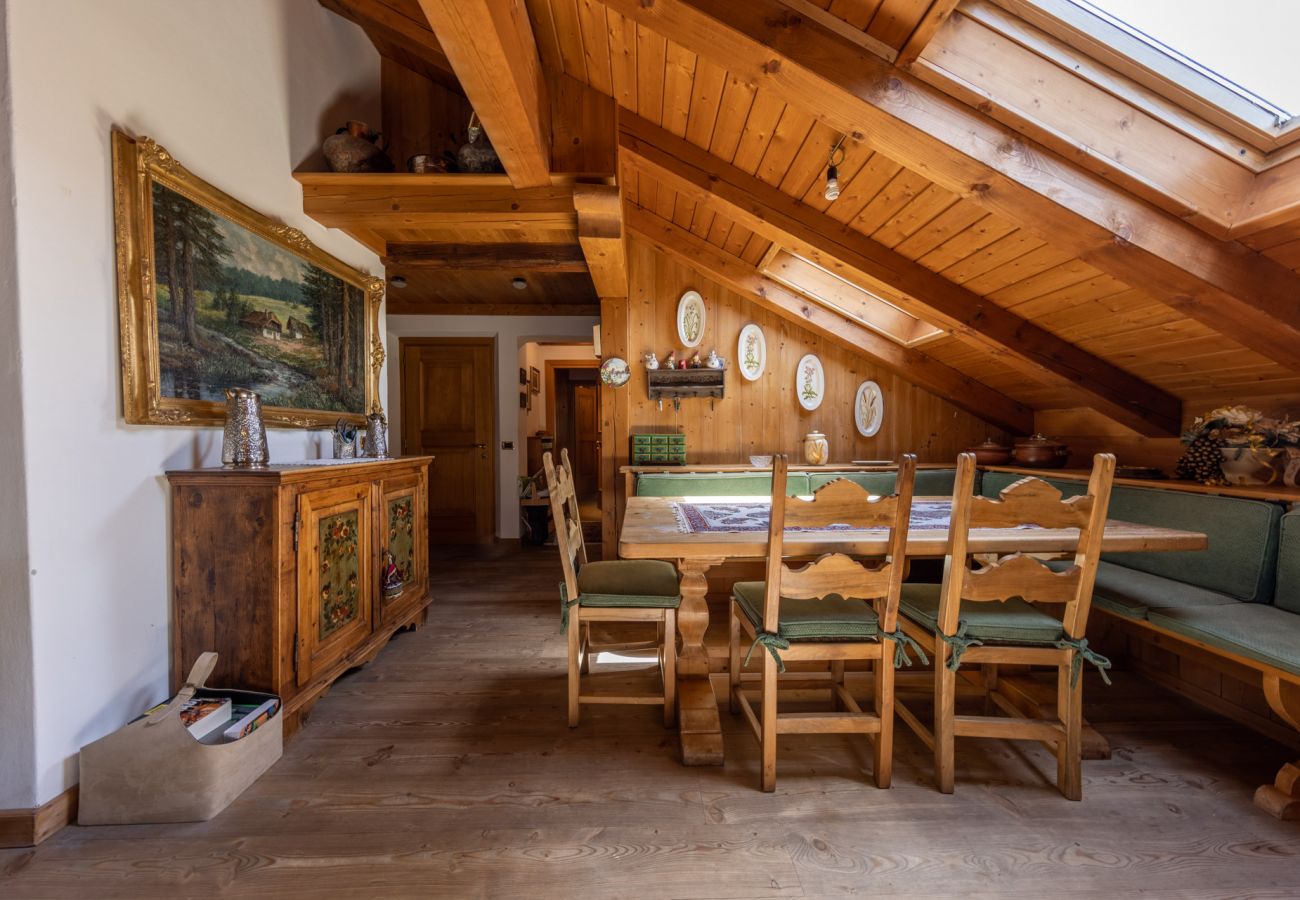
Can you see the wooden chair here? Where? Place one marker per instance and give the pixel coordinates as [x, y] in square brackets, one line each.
[821, 612]
[609, 591]
[991, 615]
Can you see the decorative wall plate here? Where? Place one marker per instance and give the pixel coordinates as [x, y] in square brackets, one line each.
[868, 408]
[615, 372]
[751, 350]
[810, 382]
[690, 318]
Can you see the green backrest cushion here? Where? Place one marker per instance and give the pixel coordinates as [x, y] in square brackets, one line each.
[929, 482]
[1241, 560]
[716, 484]
[879, 483]
[1243, 551]
[1287, 594]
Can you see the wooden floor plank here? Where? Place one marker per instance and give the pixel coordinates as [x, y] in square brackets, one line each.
[445, 768]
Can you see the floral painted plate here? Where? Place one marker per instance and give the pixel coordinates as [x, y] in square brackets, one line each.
[615, 372]
[751, 350]
[868, 408]
[690, 318]
[810, 382]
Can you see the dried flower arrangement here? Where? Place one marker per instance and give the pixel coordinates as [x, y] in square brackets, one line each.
[1262, 442]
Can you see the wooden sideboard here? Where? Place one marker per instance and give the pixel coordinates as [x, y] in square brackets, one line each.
[280, 571]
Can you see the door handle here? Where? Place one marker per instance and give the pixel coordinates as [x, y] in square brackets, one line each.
[480, 446]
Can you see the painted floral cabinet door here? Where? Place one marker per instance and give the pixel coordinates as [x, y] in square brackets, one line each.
[403, 556]
[336, 575]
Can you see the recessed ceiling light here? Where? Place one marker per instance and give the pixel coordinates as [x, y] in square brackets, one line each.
[518, 283]
[397, 281]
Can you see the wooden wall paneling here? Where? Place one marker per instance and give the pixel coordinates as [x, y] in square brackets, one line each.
[419, 115]
[679, 87]
[777, 299]
[541, 14]
[493, 51]
[1238, 293]
[614, 422]
[763, 416]
[400, 32]
[737, 98]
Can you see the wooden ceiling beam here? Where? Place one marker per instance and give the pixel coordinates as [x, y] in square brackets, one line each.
[491, 47]
[768, 211]
[1224, 285]
[517, 257]
[441, 202]
[926, 29]
[399, 38]
[601, 236]
[922, 370]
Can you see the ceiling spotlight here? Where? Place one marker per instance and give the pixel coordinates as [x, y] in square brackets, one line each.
[833, 170]
[397, 281]
[518, 283]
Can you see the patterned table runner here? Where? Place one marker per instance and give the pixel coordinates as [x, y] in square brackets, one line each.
[703, 518]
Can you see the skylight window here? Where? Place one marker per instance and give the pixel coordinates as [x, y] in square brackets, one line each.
[1248, 46]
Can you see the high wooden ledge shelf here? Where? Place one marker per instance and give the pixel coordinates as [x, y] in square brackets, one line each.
[673, 384]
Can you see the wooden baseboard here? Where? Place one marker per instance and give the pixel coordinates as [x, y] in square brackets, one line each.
[28, 827]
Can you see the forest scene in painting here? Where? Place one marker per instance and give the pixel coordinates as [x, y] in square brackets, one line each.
[235, 310]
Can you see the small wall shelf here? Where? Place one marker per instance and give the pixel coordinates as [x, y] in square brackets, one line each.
[673, 384]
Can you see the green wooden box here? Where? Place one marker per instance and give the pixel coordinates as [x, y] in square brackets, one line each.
[658, 450]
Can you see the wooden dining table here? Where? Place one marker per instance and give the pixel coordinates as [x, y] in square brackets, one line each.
[652, 529]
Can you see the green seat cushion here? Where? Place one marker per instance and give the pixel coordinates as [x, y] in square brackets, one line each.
[1253, 630]
[716, 484]
[1013, 621]
[830, 618]
[1241, 560]
[1132, 593]
[1287, 594]
[629, 582]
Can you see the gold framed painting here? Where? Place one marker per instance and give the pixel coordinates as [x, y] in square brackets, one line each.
[214, 295]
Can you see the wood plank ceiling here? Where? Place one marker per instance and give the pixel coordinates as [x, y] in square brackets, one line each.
[755, 130]
[754, 127]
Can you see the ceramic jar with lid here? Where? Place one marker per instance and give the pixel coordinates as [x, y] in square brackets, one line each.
[816, 449]
[1041, 452]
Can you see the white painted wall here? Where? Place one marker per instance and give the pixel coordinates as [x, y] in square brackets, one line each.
[241, 91]
[511, 333]
[17, 733]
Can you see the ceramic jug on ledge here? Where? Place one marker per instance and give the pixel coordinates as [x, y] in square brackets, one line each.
[243, 444]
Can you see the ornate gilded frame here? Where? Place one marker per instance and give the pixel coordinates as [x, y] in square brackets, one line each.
[136, 164]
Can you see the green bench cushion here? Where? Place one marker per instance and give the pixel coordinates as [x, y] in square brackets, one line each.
[716, 484]
[651, 583]
[1013, 621]
[1132, 593]
[1287, 594]
[1252, 630]
[1241, 560]
[831, 618]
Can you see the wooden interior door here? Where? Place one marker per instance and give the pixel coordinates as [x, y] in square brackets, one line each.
[448, 413]
[586, 439]
[336, 575]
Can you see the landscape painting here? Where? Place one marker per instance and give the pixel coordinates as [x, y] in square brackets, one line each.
[213, 295]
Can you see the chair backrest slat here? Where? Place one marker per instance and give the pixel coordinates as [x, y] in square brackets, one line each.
[1035, 503]
[564, 513]
[843, 503]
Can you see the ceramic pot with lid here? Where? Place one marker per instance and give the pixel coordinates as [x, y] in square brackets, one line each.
[816, 449]
[991, 453]
[1041, 452]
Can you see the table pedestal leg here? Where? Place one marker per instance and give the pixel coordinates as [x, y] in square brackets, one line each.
[697, 706]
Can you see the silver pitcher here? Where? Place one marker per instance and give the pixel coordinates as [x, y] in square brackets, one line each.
[244, 443]
[376, 435]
